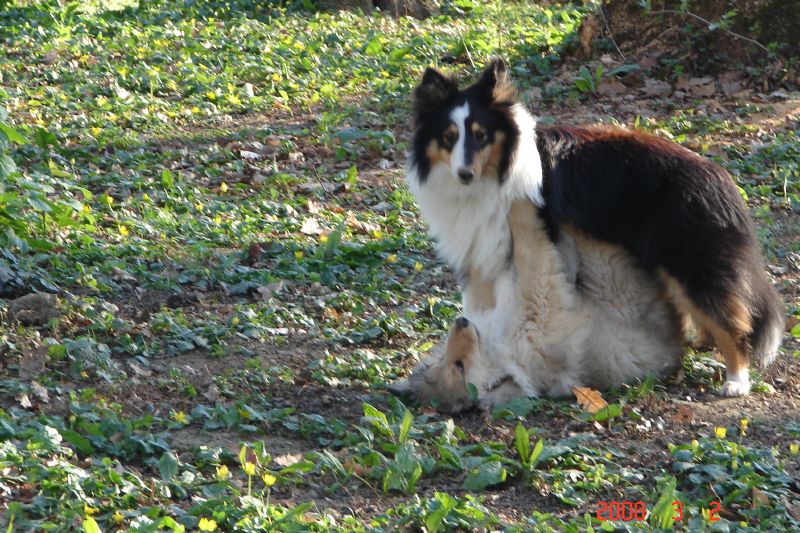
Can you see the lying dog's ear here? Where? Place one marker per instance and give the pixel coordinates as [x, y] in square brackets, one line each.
[434, 90]
[495, 84]
[505, 389]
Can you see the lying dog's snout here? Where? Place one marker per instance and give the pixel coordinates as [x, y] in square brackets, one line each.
[465, 174]
[462, 322]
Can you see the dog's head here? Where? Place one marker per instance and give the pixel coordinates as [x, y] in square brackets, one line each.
[468, 134]
[443, 378]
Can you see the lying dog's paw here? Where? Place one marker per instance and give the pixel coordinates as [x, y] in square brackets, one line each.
[736, 386]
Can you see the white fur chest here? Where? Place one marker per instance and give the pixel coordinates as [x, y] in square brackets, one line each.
[468, 222]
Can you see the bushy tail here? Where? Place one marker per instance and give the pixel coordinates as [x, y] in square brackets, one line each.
[768, 324]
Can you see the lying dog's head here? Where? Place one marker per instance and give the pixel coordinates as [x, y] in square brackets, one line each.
[443, 378]
[468, 134]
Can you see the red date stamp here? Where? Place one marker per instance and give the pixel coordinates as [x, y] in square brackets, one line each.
[628, 511]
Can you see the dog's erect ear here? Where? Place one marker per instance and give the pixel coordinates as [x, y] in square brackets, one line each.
[434, 90]
[495, 84]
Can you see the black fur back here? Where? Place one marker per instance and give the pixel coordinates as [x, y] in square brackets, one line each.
[669, 207]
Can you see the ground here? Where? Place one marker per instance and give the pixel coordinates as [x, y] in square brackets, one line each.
[216, 195]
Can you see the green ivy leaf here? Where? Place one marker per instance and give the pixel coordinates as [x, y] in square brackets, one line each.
[486, 475]
[12, 134]
[80, 442]
[168, 466]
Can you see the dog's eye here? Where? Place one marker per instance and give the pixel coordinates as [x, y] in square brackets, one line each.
[460, 366]
[480, 136]
[450, 136]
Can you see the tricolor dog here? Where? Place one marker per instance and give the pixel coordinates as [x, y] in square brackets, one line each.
[616, 329]
[678, 215]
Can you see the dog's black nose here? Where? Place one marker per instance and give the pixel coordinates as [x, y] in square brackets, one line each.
[462, 322]
[466, 174]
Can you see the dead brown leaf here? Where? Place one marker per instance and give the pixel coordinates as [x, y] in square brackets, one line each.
[140, 370]
[731, 88]
[40, 392]
[685, 415]
[32, 362]
[212, 394]
[120, 276]
[589, 399]
[289, 459]
[364, 228]
[34, 309]
[611, 88]
[703, 91]
[656, 87]
[312, 206]
[794, 510]
[759, 498]
[24, 401]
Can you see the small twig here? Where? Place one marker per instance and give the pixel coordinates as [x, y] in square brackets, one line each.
[325, 192]
[610, 35]
[656, 39]
[469, 56]
[701, 19]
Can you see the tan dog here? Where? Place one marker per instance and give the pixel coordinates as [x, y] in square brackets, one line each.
[613, 326]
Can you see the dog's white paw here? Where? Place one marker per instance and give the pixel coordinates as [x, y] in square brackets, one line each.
[737, 385]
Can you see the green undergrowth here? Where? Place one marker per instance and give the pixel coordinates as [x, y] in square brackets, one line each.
[214, 190]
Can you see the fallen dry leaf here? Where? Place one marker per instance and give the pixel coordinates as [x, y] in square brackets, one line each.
[33, 309]
[32, 362]
[212, 394]
[759, 498]
[611, 88]
[794, 510]
[24, 401]
[289, 459]
[656, 87]
[731, 88]
[140, 370]
[703, 91]
[40, 392]
[310, 227]
[685, 415]
[364, 228]
[247, 155]
[312, 206]
[589, 399]
[119, 275]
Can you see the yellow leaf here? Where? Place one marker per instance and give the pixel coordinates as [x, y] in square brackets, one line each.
[207, 525]
[589, 399]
